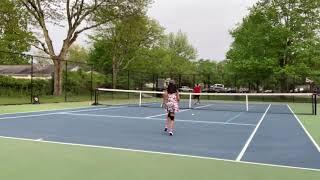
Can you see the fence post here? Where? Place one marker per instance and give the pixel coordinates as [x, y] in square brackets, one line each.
[314, 103]
[179, 83]
[193, 80]
[128, 83]
[66, 83]
[153, 82]
[140, 81]
[91, 82]
[128, 80]
[157, 82]
[31, 79]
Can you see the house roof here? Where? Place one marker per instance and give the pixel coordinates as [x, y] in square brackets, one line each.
[26, 69]
[15, 69]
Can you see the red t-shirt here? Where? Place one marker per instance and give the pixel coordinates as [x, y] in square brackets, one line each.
[197, 89]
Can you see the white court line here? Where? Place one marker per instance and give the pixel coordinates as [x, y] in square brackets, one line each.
[159, 119]
[252, 135]
[233, 118]
[100, 115]
[27, 112]
[305, 130]
[48, 114]
[97, 109]
[166, 113]
[179, 111]
[208, 122]
[159, 153]
[26, 116]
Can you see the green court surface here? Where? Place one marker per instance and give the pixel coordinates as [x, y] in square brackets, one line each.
[38, 160]
[32, 160]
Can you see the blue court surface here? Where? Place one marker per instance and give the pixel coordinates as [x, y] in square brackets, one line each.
[263, 138]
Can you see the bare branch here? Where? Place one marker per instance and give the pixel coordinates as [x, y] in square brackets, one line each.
[68, 13]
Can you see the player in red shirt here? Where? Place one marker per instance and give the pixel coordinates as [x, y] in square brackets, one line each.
[197, 89]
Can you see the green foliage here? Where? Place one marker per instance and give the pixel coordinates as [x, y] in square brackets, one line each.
[276, 41]
[179, 46]
[78, 54]
[210, 71]
[120, 45]
[180, 53]
[14, 34]
[22, 87]
[115, 49]
[79, 83]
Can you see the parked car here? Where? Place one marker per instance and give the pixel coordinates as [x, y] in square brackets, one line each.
[231, 90]
[218, 88]
[244, 90]
[268, 91]
[205, 90]
[185, 89]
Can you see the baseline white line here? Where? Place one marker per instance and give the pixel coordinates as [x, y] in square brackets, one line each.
[252, 135]
[48, 114]
[305, 130]
[97, 109]
[233, 118]
[156, 152]
[159, 119]
[179, 111]
[26, 116]
[100, 115]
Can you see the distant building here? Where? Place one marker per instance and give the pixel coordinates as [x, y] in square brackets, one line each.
[24, 71]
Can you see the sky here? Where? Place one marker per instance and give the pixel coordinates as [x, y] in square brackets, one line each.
[206, 22]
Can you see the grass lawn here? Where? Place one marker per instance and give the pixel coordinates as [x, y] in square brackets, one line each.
[41, 160]
[13, 100]
[42, 107]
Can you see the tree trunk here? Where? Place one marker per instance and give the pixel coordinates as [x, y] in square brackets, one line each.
[57, 78]
[283, 84]
[114, 73]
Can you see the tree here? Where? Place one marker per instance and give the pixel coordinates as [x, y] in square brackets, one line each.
[41, 59]
[211, 71]
[276, 40]
[78, 53]
[129, 39]
[181, 53]
[14, 35]
[80, 16]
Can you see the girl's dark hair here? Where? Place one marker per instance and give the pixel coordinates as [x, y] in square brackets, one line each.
[172, 88]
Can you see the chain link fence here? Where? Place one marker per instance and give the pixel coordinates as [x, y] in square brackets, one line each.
[34, 79]
[20, 84]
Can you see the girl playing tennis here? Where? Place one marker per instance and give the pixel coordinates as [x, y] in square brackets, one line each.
[170, 100]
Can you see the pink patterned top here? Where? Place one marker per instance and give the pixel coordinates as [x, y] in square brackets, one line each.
[172, 104]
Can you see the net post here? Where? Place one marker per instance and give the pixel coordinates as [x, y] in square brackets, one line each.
[247, 103]
[140, 98]
[95, 97]
[190, 100]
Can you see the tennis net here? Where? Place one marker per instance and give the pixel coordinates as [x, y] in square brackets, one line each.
[281, 103]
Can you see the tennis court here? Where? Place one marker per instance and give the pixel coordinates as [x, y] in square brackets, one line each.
[259, 137]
